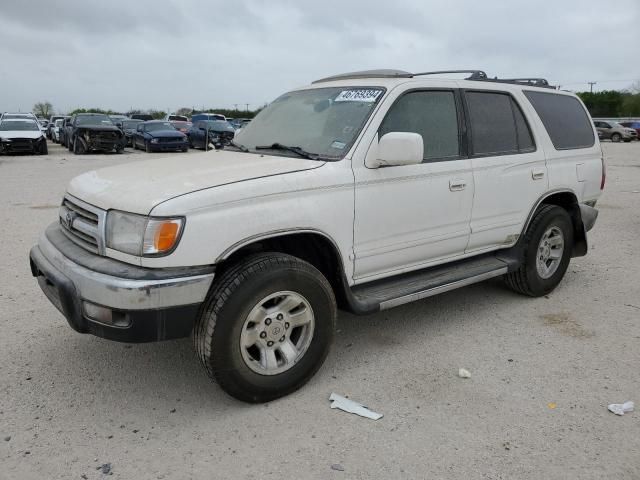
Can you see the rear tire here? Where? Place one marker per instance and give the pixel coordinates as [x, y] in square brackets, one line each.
[616, 137]
[547, 251]
[237, 334]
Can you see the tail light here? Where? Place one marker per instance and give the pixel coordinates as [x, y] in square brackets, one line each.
[604, 174]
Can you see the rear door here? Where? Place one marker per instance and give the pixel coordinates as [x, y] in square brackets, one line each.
[509, 170]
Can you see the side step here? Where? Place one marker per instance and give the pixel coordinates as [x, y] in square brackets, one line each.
[400, 289]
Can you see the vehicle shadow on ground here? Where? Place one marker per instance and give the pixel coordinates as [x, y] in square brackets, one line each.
[92, 366]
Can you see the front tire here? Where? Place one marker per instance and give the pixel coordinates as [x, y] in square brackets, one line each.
[616, 137]
[147, 147]
[266, 327]
[547, 251]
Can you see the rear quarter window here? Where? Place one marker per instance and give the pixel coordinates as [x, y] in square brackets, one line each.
[564, 118]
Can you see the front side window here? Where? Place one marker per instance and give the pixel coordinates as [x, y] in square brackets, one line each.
[564, 118]
[497, 124]
[321, 121]
[431, 114]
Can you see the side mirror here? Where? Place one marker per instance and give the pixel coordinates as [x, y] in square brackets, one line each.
[395, 149]
[119, 124]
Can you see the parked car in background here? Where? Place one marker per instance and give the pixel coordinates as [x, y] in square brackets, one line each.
[94, 132]
[176, 118]
[632, 124]
[22, 135]
[141, 116]
[182, 126]
[55, 130]
[159, 136]
[206, 132]
[207, 116]
[7, 115]
[614, 131]
[117, 119]
[129, 129]
[63, 131]
[52, 120]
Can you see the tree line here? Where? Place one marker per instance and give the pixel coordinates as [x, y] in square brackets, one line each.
[612, 103]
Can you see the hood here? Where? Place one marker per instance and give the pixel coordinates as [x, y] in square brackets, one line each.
[140, 186]
[166, 133]
[99, 128]
[21, 134]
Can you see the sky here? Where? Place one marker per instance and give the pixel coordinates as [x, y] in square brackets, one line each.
[167, 54]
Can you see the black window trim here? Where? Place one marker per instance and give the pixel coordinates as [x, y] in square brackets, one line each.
[515, 102]
[462, 141]
[584, 110]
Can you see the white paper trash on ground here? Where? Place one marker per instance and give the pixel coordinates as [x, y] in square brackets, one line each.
[464, 373]
[346, 405]
[621, 408]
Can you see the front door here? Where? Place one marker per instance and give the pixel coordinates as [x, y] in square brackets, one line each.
[411, 216]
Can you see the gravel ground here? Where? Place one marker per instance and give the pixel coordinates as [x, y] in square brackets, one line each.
[543, 371]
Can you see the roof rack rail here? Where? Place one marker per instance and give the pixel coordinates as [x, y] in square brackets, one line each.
[533, 82]
[384, 73]
[475, 74]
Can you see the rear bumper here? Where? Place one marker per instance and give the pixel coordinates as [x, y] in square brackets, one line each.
[114, 300]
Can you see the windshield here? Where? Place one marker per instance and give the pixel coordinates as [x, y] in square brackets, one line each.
[220, 125]
[59, 122]
[17, 125]
[93, 120]
[152, 127]
[178, 118]
[130, 124]
[323, 121]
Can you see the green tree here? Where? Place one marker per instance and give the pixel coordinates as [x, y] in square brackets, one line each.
[607, 103]
[43, 109]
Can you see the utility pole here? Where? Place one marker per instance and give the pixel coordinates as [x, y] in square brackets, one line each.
[235, 106]
[591, 84]
[247, 106]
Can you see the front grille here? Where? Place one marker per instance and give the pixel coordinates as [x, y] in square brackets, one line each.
[83, 224]
[20, 145]
[170, 140]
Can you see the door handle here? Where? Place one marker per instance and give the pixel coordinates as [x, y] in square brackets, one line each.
[537, 174]
[457, 185]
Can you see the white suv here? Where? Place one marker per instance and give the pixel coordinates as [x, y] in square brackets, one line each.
[361, 191]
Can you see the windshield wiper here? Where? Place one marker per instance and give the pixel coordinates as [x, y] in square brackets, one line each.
[242, 148]
[297, 150]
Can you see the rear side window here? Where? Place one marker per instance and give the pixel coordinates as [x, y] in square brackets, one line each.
[564, 118]
[431, 114]
[497, 124]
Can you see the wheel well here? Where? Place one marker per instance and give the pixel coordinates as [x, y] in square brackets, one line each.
[313, 248]
[569, 202]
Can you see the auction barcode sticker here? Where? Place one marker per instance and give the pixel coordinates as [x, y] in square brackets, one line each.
[360, 95]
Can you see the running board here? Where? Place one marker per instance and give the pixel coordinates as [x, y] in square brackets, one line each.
[412, 286]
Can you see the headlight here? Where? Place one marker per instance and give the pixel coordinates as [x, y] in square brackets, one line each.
[140, 235]
[154, 140]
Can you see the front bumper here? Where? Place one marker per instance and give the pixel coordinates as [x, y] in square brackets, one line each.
[144, 304]
[169, 146]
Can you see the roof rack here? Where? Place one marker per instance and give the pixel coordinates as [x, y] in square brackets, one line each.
[475, 75]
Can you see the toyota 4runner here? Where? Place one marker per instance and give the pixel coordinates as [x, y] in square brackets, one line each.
[362, 192]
